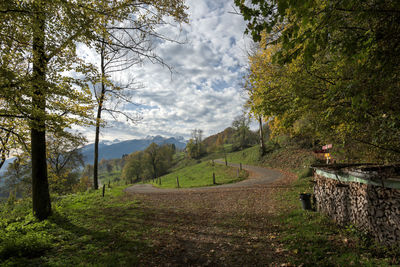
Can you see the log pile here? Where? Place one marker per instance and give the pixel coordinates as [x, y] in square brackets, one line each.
[373, 209]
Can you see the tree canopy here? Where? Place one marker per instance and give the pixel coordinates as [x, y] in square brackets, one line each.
[44, 83]
[151, 163]
[332, 67]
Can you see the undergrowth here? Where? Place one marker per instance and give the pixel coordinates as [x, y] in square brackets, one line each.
[84, 229]
[313, 239]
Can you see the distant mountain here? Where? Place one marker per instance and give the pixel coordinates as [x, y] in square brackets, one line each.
[117, 149]
[4, 168]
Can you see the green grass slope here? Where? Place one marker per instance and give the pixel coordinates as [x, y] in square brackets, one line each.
[89, 230]
[84, 230]
[201, 175]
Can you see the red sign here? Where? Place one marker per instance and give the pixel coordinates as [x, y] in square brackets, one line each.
[327, 147]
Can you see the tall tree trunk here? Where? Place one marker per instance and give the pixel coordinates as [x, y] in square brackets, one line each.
[3, 159]
[40, 186]
[99, 109]
[262, 145]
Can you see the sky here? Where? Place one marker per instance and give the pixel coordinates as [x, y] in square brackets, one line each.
[204, 90]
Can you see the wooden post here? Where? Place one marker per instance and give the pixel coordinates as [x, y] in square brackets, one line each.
[104, 189]
[177, 181]
[262, 145]
[240, 166]
[214, 178]
[226, 160]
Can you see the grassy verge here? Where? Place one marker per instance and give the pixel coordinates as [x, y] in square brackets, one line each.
[78, 233]
[201, 175]
[249, 156]
[113, 177]
[312, 239]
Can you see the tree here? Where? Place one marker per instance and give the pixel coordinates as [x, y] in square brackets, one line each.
[152, 159]
[243, 134]
[10, 139]
[17, 177]
[43, 39]
[191, 149]
[123, 45]
[261, 135]
[195, 147]
[156, 160]
[337, 69]
[39, 66]
[133, 167]
[332, 70]
[64, 160]
[109, 167]
[220, 141]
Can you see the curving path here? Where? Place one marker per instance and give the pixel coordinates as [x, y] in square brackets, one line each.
[257, 176]
[226, 225]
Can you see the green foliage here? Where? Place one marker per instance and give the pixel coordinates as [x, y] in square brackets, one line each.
[201, 175]
[285, 158]
[151, 163]
[17, 179]
[328, 72]
[117, 230]
[79, 230]
[64, 161]
[305, 172]
[243, 137]
[310, 238]
[248, 156]
[214, 142]
[134, 167]
[195, 148]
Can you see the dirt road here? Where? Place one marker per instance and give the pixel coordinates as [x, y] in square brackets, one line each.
[226, 225]
[257, 176]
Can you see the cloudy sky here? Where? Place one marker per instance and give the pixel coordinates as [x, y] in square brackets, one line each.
[204, 89]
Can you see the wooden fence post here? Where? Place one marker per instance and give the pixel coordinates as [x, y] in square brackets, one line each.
[214, 178]
[177, 181]
[104, 189]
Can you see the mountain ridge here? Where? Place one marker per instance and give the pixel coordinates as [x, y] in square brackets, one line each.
[117, 150]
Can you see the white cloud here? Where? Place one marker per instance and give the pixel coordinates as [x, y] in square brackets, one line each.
[204, 90]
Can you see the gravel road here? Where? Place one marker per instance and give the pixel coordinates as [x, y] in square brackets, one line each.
[257, 176]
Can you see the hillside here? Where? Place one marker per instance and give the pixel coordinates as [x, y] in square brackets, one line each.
[226, 136]
[230, 227]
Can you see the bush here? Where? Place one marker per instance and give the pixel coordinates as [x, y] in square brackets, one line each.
[306, 172]
[271, 146]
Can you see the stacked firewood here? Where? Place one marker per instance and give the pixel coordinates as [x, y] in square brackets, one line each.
[373, 209]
